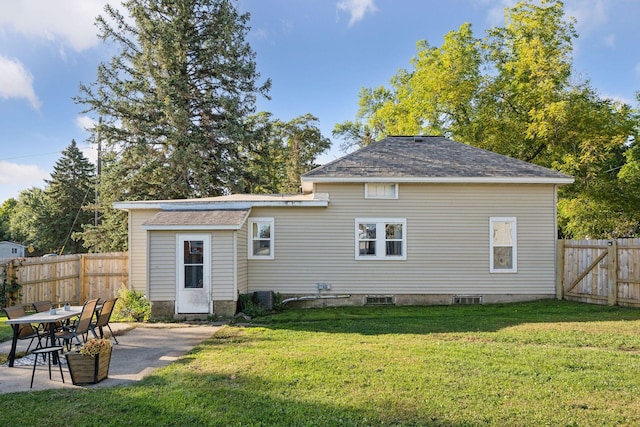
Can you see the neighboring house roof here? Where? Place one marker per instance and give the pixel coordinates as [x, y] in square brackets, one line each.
[227, 219]
[8, 243]
[430, 159]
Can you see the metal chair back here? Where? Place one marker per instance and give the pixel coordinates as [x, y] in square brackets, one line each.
[41, 306]
[25, 330]
[84, 321]
[105, 316]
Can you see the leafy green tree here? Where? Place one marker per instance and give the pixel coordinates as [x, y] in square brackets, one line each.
[173, 100]
[5, 218]
[26, 217]
[69, 191]
[515, 93]
[282, 151]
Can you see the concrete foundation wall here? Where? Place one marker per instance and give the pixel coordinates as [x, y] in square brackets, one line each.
[444, 299]
[224, 309]
[162, 309]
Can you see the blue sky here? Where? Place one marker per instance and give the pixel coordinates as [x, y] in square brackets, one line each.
[318, 53]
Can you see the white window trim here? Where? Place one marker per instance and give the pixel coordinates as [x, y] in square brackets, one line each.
[514, 240]
[380, 239]
[369, 196]
[271, 238]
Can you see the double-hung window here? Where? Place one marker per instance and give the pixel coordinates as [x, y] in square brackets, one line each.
[381, 238]
[503, 245]
[261, 236]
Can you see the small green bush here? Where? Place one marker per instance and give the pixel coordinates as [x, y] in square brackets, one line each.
[132, 306]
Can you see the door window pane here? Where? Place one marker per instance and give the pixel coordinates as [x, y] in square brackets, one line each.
[193, 276]
[193, 263]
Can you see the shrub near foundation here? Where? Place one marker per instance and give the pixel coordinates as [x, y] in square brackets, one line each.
[131, 306]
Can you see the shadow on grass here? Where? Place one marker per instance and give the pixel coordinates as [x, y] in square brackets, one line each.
[441, 319]
[198, 399]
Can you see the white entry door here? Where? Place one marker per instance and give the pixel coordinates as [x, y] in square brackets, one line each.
[194, 273]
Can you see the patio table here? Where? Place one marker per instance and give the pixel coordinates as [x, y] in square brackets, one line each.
[37, 318]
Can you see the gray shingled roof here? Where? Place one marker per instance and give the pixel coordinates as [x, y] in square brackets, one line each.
[210, 218]
[427, 157]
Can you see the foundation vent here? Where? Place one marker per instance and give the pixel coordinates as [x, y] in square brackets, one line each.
[378, 300]
[467, 300]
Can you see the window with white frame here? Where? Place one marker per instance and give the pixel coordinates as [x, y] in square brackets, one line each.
[261, 238]
[380, 190]
[503, 245]
[14, 250]
[381, 239]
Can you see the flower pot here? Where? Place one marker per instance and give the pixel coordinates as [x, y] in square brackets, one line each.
[86, 369]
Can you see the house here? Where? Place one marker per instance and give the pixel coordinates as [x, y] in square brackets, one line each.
[11, 250]
[406, 220]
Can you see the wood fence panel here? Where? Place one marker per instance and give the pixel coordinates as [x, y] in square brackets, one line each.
[69, 278]
[600, 271]
[104, 275]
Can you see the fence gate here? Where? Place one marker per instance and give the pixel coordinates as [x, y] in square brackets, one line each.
[600, 271]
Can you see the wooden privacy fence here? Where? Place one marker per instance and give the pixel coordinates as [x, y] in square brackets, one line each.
[599, 271]
[68, 278]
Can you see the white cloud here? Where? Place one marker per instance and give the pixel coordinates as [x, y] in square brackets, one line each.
[589, 15]
[495, 11]
[65, 22]
[357, 9]
[17, 82]
[15, 177]
[85, 122]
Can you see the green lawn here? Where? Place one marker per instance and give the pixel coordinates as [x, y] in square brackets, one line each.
[544, 363]
[6, 331]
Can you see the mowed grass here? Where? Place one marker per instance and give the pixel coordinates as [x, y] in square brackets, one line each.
[532, 364]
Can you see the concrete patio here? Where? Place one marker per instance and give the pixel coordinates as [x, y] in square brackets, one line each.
[142, 349]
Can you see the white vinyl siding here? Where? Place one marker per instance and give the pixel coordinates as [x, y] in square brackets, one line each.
[241, 260]
[447, 245]
[137, 243]
[503, 252]
[162, 265]
[380, 190]
[222, 268]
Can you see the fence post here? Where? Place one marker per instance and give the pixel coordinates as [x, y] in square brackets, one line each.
[83, 292]
[560, 269]
[612, 272]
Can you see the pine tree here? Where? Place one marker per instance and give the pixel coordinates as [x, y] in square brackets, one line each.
[69, 191]
[174, 99]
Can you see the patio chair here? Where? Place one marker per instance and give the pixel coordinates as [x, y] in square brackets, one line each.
[39, 307]
[25, 330]
[104, 317]
[81, 326]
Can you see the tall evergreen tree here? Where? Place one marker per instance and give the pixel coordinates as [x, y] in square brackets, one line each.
[69, 191]
[174, 99]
